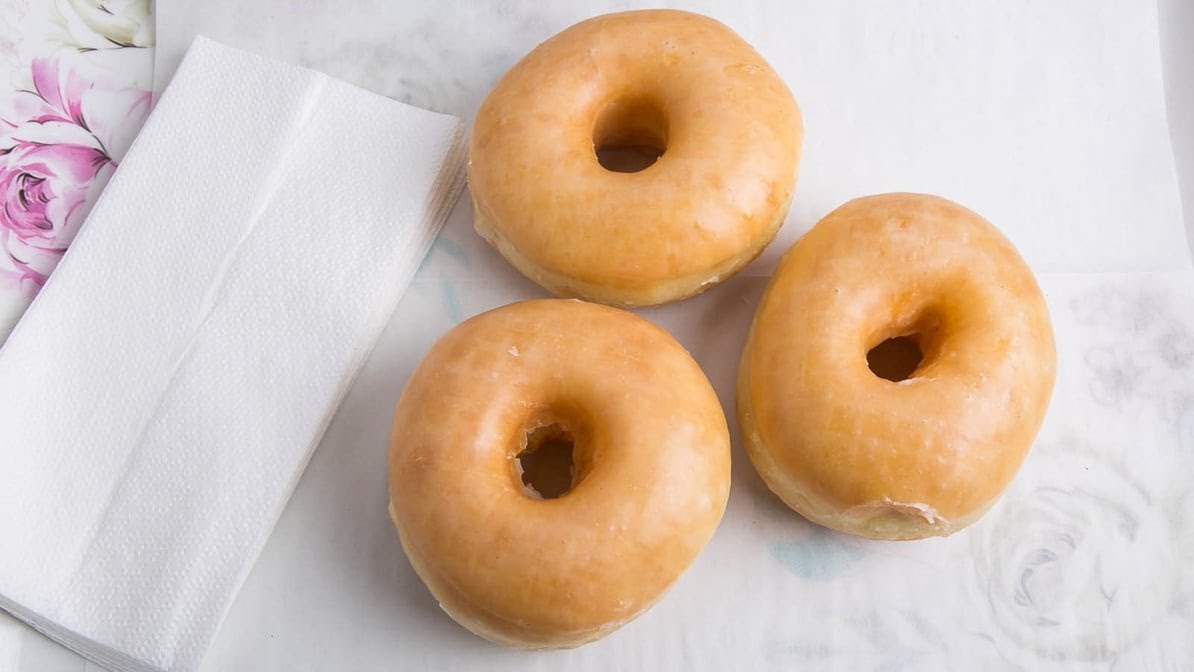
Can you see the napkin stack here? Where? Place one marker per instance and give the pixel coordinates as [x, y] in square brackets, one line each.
[164, 392]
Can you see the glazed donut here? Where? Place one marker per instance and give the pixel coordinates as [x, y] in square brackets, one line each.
[679, 84]
[892, 454]
[648, 484]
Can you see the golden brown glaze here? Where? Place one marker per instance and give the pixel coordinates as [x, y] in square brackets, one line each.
[652, 470]
[715, 198]
[896, 460]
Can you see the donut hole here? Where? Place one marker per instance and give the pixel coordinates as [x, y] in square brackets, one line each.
[547, 465]
[896, 358]
[630, 134]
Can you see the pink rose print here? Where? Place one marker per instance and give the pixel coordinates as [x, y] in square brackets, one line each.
[55, 158]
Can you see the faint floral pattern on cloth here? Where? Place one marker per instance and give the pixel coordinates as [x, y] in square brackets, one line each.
[78, 92]
[1061, 566]
[1088, 557]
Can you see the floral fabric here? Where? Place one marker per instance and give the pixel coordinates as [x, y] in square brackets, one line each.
[75, 81]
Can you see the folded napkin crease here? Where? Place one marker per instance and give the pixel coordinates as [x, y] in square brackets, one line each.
[161, 396]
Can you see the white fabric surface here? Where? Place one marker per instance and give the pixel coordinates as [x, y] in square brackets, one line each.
[164, 392]
[1047, 118]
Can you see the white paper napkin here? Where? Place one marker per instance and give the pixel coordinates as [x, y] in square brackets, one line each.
[164, 392]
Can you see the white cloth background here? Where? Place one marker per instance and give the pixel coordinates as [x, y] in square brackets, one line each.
[1049, 119]
[1094, 578]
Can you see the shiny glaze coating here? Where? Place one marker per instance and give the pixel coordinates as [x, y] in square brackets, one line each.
[651, 470]
[716, 197]
[896, 460]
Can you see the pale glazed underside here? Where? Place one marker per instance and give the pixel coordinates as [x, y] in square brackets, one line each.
[652, 458]
[896, 460]
[710, 204]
